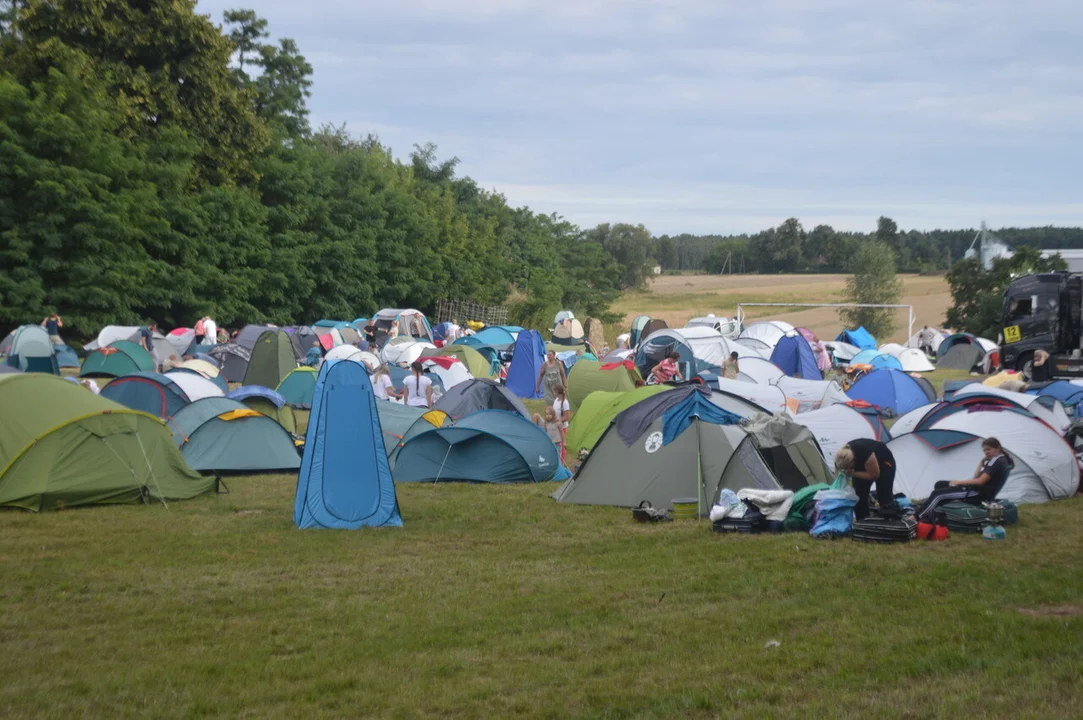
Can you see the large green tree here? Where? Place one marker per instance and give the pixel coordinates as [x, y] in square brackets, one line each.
[873, 283]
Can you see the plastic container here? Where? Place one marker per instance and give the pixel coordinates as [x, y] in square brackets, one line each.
[685, 509]
[994, 532]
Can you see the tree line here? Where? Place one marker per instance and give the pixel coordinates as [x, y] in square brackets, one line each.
[790, 248]
[154, 165]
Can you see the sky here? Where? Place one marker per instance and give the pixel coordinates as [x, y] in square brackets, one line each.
[712, 116]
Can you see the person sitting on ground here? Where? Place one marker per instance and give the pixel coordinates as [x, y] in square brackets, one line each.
[314, 354]
[988, 480]
[869, 462]
[731, 366]
[52, 325]
[417, 387]
[666, 370]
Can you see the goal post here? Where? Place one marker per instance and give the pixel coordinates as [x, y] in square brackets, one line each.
[909, 311]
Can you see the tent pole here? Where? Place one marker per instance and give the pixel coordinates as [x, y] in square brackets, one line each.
[442, 463]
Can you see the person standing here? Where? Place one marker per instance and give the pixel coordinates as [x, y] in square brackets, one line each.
[382, 387]
[417, 387]
[823, 358]
[869, 462]
[731, 367]
[201, 332]
[925, 340]
[551, 376]
[52, 325]
[210, 334]
[562, 409]
[314, 355]
[666, 370]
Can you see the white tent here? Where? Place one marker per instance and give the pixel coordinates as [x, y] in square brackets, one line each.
[758, 346]
[769, 397]
[723, 325]
[204, 368]
[706, 344]
[1045, 466]
[181, 339]
[843, 352]
[892, 349]
[758, 370]
[909, 421]
[914, 360]
[812, 394]
[349, 352]
[768, 331]
[196, 387]
[450, 376]
[163, 349]
[938, 337]
[835, 426]
[404, 353]
[1049, 410]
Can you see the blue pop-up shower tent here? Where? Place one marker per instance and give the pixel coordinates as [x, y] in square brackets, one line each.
[526, 362]
[345, 481]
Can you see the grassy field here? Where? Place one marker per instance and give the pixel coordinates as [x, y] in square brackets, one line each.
[497, 602]
[677, 298]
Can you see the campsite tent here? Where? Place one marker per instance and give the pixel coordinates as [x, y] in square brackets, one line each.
[232, 360]
[268, 402]
[1045, 465]
[298, 387]
[707, 347]
[147, 392]
[495, 337]
[960, 357]
[588, 376]
[812, 394]
[636, 332]
[475, 395]
[448, 371]
[491, 446]
[914, 360]
[889, 389]
[194, 385]
[859, 338]
[120, 358]
[891, 348]
[746, 399]
[271, 360]
[395, 420]
[876, 359]
[182, 339]
[7, 369]
[794, 357]
[410, 322]
[427, 420]
[67, 447]
[841, 352]
[404, 351]
[757, 346]
[223, 435]
[758, 370]
[1046, 408]
[768, 332]
[1069, 394]
[596, 412]
[837, 425]
[527, 359]
[345, 481]
[568, 332]
[938, 338]
[476, 364]
[302, 338]
[724, 326]
[349, 352]
[679, 445]
[31, 350]
[249, 334]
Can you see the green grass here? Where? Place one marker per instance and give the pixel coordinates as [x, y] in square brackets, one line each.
[497, 602]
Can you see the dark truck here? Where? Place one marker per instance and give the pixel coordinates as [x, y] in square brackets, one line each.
[1044, 312]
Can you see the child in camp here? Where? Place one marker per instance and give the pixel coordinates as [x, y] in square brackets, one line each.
[666, 370]
[988, 480]
[867, 462]
[731, 367]
[553, 428]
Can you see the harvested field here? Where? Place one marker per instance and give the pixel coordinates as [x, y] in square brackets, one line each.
[677, 298]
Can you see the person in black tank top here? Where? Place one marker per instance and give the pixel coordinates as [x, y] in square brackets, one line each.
[869, 462]
[988, 480]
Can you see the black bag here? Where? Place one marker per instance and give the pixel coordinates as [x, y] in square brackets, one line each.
[752, 523]
[646, 513]
[965, 517]
[885, 530]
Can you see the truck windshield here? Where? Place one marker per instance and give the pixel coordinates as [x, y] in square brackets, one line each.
[1018, 309]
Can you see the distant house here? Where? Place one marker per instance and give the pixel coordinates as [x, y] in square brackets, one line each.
[1074, 258]
[657, 270]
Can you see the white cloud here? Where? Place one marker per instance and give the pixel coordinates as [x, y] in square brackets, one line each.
[716, 116]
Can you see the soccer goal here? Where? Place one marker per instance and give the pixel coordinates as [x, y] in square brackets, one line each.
[909, 311]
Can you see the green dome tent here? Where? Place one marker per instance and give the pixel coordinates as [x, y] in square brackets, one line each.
[224, 435]
[271, 361]
[587, 376]
[298, 387]
[590, 422]
[117, 359]
[66, 447]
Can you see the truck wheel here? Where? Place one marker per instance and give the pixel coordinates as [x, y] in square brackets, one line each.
[1025, 365]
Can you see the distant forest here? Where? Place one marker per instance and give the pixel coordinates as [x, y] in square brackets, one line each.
[790, 248]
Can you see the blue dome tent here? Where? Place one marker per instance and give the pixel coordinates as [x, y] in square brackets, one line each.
[345, 481]
[794, 357]
[889, 389]
[877, 359]
[859, 338]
